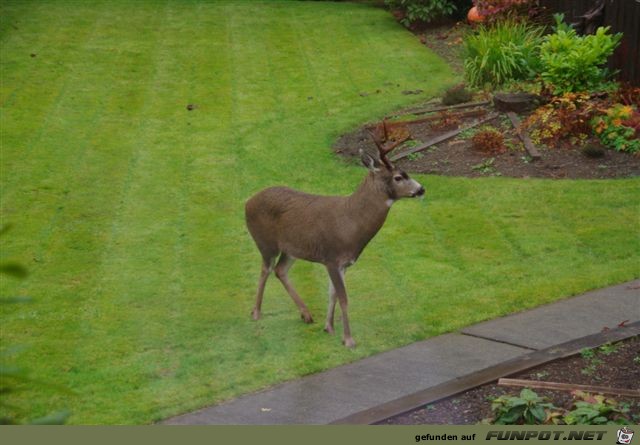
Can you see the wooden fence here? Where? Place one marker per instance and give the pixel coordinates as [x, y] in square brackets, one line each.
[622, 16]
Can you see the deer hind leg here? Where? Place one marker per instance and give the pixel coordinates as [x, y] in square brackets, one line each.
[267, 267]
[282, 272]
[337, 278]
[328, 327]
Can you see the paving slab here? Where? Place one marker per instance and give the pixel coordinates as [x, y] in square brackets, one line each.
[565, 320]
[331, 395]
[338, 393]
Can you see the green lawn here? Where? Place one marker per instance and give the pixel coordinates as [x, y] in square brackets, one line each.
[128, 209]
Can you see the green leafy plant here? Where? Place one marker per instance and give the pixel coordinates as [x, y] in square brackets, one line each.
[619, 128]
[531, 409]
[485, 167]
[410, 144]
[596, 410]
[528, 409]
[590, 356]
[574, 63]
[468, 133]
[422, 10]
[608, 348]
[501, 53]
[587, 353]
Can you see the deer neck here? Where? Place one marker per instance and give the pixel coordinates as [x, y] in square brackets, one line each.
[369, 206]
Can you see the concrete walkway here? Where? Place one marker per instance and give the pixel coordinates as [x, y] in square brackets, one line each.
[346, 390]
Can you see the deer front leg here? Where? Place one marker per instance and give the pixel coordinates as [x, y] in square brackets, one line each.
[337, 279]
[267, 265]
[328, 327]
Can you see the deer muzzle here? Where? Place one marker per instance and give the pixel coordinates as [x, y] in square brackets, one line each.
[419, 192]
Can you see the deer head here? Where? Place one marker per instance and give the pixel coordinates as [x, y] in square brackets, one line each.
[397, 183]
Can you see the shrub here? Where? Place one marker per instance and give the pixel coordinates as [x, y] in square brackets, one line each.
[619, 128]
[531, 409]
[504, 52]
[528, 409]
[445, 120]
[488, 141]
[456, 95]
[567, 116]
[628, 95]
[422, 10]
[596, 410]
[497, 8]
[573, 63]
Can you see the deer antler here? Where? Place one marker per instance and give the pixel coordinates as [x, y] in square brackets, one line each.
[380, 143]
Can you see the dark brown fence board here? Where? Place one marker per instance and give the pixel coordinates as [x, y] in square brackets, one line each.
[572, 9]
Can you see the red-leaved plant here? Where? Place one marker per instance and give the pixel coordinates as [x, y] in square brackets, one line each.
[494, 8]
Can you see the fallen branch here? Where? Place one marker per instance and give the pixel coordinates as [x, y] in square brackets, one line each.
[442, 137]
[524, 137]
[445, 107]
[534, 384]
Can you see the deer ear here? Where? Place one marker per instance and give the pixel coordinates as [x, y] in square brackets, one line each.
[369, 161]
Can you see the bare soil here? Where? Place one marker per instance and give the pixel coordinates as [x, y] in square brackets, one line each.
[618, 369]
[445, 39]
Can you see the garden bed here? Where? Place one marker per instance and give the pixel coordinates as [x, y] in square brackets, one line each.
[580, 111]
[457, 157]
[614, 366]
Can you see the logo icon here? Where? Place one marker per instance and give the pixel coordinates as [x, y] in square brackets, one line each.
[624, 436]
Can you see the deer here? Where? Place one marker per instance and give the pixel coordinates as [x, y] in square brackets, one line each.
[287, 225]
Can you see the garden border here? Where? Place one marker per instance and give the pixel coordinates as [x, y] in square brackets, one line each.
[488, 375]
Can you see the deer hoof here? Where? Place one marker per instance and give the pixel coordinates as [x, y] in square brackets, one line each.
[307, 318]
[255, 314]
[329, 329]
[349, 342]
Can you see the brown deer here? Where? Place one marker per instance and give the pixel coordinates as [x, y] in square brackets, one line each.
[332, 230]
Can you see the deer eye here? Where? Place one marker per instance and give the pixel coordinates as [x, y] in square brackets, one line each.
[398, 178]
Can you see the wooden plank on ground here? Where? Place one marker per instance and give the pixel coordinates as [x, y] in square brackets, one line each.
[446, 107]
[534, 384]
[442, 137]
[524, 137]
[433, 117]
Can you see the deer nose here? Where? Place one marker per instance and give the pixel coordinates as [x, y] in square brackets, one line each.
[420, 191]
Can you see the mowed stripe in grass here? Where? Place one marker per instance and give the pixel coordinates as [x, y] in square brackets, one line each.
[128, 208]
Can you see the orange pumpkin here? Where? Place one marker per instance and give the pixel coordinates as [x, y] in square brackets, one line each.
[474, 16]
